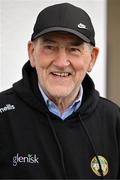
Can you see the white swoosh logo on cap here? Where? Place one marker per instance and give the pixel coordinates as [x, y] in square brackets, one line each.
[82, 26]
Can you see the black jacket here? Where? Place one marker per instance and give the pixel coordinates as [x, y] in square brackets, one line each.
[34, 143]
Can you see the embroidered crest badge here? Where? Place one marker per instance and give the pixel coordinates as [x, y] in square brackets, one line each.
[95, 165]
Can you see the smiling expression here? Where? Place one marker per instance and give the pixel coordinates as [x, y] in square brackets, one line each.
[61, 61]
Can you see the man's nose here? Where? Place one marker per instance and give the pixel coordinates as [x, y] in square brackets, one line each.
[62, 59]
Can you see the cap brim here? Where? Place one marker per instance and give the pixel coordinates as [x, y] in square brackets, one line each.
[53, 29]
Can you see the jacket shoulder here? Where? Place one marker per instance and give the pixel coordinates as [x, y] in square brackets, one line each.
[108, 105]
[5, 94]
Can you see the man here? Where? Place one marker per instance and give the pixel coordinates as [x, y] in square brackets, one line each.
[53, 123]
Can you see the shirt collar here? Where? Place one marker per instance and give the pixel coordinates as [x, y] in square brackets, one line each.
[48, 101]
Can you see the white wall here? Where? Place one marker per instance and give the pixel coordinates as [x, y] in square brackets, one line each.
[16, 24]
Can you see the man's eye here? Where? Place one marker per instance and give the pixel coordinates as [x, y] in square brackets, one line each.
[49, 47]
[75, 49]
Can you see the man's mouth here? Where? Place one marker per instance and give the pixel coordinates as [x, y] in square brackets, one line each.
[61, 74]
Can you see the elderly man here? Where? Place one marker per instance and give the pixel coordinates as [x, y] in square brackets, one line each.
[53, 123]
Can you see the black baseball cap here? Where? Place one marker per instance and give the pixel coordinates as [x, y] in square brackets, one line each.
[67, 18]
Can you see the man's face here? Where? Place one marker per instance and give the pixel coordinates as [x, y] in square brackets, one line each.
[61, 61]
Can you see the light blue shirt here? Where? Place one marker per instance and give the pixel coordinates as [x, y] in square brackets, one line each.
[54, 109]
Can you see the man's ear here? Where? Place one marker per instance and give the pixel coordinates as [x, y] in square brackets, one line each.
[31, 50]
[94, 55]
